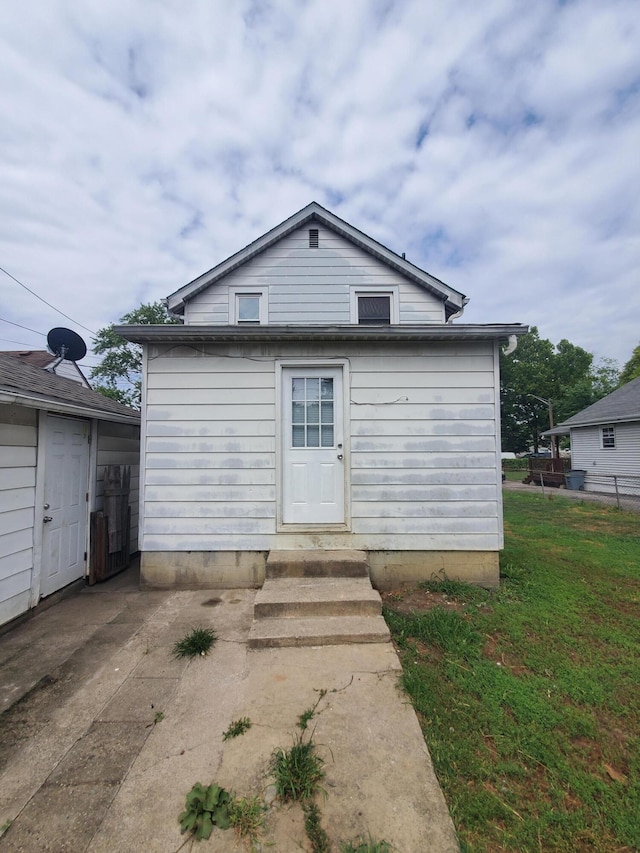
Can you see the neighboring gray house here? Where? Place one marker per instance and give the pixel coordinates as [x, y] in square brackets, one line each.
[605, 441]
[56, 437]
[318, 396]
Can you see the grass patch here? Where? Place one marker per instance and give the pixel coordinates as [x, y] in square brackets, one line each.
[246, 815]
[197, 642]
[298, 771]
[528, 696]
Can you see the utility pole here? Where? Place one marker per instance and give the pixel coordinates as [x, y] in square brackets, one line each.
[554, 438]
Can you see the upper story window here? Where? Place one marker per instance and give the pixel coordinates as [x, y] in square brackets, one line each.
[374, 307]
[247, 306]
[608, 437]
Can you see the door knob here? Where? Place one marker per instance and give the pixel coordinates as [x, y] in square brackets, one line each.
[47, 518]
[340, 456]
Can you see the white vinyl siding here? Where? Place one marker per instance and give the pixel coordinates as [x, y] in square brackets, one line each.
[422, 448]
[119, 444]
[588, 454]
[210, 450]
[18, 443]
[313, 286]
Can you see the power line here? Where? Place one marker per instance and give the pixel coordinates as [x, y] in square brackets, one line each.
[37, 296]
[2, 320]
[22, 343]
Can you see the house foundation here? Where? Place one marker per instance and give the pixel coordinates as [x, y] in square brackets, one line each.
[246, 569]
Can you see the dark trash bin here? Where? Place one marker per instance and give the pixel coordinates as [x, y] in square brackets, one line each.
[574, 479]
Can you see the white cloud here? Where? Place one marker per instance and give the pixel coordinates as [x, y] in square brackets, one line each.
[496, 143]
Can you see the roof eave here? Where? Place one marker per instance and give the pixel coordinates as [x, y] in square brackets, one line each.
[34, 401]
[240, 334]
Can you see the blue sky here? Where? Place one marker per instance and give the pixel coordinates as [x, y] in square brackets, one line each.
[496, 143]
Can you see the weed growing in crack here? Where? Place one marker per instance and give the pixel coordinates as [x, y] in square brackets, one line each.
[366, 846]
[247, 817]
[198, 642]
[305, 718]
[298, 771]
[313, 827]
[237, 728]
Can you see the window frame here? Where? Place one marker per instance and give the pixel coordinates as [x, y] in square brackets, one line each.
[263, 305]
[391, 292]
[608, 441]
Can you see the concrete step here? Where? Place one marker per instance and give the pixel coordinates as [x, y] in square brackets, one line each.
[315, 597]
[318, 564]
[317, 631]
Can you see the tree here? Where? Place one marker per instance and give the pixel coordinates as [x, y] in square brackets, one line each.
[120, 369]
[631, 370]
[524, 375]
[536, 372]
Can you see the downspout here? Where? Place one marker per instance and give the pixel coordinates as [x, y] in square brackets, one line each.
[512, 345]
[459, 313]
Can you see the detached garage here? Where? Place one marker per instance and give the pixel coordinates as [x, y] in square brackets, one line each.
[57, 440]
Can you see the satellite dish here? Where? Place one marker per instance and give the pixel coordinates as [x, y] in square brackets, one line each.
[65, 343]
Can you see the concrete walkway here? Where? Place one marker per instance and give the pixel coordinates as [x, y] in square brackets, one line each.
[104, 733]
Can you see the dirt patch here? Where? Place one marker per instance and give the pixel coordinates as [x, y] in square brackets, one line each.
[416, 600]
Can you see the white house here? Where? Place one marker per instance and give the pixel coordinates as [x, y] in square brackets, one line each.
[318, 396]
[605, 441]
[56, 437]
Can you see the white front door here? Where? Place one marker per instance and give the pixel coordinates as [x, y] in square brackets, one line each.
[64, 515]
[313, 452]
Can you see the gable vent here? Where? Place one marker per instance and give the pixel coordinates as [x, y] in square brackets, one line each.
[314, 238]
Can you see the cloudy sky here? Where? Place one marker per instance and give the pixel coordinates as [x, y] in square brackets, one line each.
[496, 142]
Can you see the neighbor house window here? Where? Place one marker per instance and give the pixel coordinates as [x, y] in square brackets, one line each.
[608, 437]
[247, 307]
[374, 307]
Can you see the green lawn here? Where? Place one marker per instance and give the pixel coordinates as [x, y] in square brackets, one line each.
[529, 698]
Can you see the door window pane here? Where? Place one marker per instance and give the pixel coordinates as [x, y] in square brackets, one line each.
[312, 412]
[327, 436]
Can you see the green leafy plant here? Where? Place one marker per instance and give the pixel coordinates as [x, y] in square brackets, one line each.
[305, 718]
[198, 642]
[204, 809]
[237, 728]
[298, 771]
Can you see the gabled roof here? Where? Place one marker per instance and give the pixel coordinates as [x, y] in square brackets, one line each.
[37, 388]
[314, 212]
[621, 405]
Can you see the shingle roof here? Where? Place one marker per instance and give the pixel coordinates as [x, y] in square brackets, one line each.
[620, 405]
[42, 386]
[35, 357]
